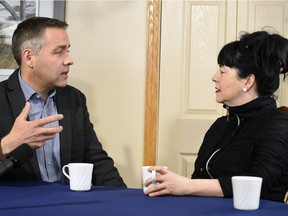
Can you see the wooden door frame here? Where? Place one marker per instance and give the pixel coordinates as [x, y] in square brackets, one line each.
[152, 81]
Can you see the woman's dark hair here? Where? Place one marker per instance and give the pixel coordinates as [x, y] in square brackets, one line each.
[260, 53]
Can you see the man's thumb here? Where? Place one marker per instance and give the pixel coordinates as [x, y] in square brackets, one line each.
[25, 111]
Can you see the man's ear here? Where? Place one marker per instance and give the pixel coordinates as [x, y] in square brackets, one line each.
[28, 58]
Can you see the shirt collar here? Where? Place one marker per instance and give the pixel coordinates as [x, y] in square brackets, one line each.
[28, 90]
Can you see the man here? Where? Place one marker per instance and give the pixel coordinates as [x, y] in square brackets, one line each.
[38, 91]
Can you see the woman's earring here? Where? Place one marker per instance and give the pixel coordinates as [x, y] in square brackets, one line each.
[244, 90]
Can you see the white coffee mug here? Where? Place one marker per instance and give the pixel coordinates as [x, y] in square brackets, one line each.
[80, 175]
[246, 192]
[146, 175]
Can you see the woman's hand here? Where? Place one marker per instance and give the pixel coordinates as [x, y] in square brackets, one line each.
[169, 183]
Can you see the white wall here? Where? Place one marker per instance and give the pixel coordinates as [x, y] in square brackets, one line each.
[108, 45]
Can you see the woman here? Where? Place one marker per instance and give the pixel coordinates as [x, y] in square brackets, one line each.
[252, 140]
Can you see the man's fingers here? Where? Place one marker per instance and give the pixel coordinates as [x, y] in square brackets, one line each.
[43, 133]
[25, 111]
[47, 120]
[52, 130]
[47, 133]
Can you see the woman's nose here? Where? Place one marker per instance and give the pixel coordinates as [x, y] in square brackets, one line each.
[214, 77]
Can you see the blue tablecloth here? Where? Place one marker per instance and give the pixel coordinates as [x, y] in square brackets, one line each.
[41, 199]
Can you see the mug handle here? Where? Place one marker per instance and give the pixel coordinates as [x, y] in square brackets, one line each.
[153, 177]
[64, 171]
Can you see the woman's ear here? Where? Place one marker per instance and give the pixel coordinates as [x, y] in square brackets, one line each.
[250, 81]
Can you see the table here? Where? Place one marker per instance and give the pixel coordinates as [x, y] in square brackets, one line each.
[41, 199]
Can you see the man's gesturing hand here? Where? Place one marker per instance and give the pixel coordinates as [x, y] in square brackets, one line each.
[31, 132]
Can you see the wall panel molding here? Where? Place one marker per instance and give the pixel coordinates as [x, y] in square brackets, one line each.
[152, 81]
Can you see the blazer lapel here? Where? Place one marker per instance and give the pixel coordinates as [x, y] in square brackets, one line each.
[63, 104]
[15, 94]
